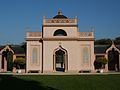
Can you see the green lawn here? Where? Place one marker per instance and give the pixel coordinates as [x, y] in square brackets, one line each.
[60, 82]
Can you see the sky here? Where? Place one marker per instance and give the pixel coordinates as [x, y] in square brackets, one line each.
[19, 16]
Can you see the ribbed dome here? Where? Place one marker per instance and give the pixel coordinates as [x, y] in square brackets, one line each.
[59, 16]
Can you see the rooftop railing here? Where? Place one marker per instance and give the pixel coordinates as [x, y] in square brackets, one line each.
[34, 34]
[86, 34]
[59, 21]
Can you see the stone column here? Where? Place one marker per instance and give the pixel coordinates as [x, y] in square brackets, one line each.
[53, 63]
[0, 62]
[106, 66]
[14, 57]
[5, 64]
[66, 63]
[119, 61]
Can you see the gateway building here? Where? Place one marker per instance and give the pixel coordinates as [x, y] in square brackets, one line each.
[60, 47]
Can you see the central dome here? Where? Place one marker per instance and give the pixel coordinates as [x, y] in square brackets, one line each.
[59, 16]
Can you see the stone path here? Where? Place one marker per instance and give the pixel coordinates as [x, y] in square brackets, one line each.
[60, 73]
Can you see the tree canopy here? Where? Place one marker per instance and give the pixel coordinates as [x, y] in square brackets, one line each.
[19, 63]
[100, 62]
[103, 42]
[117, 41]
[108, 41]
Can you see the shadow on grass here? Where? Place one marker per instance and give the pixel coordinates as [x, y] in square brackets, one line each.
[8, 82]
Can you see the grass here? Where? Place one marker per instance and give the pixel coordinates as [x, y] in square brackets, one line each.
[60, 82]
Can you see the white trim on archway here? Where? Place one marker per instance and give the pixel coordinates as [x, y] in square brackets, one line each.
[5, 48]
[110, 48]
[66, 58]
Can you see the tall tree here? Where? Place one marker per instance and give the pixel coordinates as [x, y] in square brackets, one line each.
[103, 42]
[117, 41]
[23, 45]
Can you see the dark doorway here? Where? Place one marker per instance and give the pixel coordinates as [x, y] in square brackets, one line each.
[7, 56]
[3, 59]
[2, 62]
[9, 61]
[60, 60]
[113, 60]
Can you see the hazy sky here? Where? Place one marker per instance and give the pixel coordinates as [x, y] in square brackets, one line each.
[17, 15]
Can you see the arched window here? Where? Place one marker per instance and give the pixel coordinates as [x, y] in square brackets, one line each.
[34, 55]
[60, 32]
[85, 55]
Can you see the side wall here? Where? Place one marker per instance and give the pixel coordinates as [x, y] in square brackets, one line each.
[0, 62]
[87, 65]
[30, 64]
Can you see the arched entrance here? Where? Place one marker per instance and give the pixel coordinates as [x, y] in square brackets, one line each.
[60, 60]
[113, 60]
[7, 60]
[3, 60]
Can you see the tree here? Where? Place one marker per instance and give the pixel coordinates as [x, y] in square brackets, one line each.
[19, 63]
[107, 41]
[117, 41]
[103, 42]
[100, 62]
[23, 45]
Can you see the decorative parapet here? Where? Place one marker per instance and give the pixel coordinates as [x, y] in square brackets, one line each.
[34, 34]
[60, 21]
[86, 35]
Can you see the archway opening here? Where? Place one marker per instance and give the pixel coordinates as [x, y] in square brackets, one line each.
[3, 59]
[60, 60]
[7, 60]
[113, 60]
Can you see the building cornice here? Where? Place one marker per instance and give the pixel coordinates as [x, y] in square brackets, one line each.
[60, 25]
[59, 39]
[33, 39]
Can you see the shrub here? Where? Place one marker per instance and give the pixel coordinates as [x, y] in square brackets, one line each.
[100, 62]
[19, 63]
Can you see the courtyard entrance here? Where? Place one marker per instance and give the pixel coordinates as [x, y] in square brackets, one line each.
[60, 60]
[113, 60]
[7, 60]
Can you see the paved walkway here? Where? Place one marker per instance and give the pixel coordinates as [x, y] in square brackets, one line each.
[60, 73]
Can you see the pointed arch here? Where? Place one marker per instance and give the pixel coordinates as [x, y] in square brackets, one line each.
[7, 48]
[112, 46]
[60, 48]
[7, 60]
[60, 59]
[113, 56]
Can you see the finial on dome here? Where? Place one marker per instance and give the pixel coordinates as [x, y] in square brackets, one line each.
[59, 15]
[59, 12]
